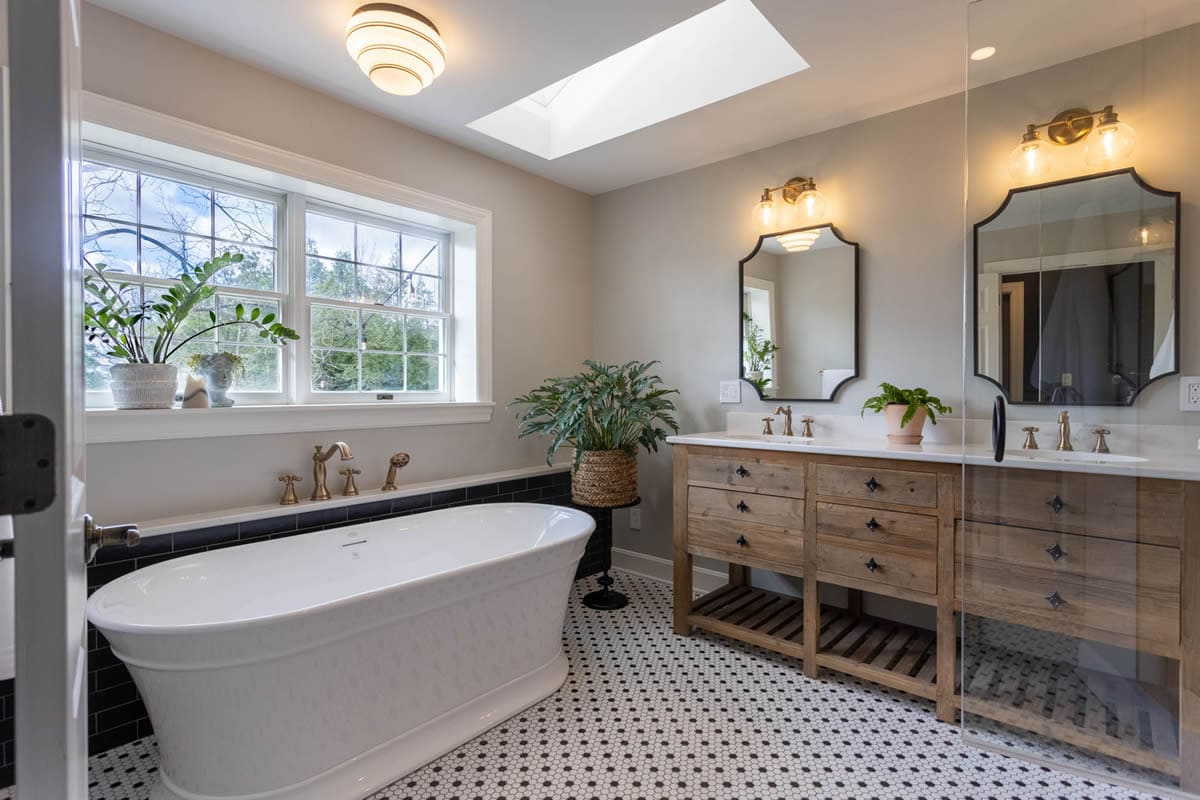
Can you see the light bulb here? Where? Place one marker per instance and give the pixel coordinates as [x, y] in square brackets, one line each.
[1111, 142]
[812, 204]
[764, 211]
[1147, 234]
[1030, 161]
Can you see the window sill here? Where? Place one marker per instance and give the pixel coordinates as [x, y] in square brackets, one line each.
[106, 425]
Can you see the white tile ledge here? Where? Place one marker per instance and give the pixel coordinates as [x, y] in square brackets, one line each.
[165, 525]
[110, 425]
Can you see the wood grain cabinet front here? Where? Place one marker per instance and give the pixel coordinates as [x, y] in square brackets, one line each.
[748, 472]
[877, 484]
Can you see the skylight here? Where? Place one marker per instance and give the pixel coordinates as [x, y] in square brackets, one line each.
[726, 50]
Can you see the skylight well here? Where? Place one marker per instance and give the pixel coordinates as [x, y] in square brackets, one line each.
[726, 50]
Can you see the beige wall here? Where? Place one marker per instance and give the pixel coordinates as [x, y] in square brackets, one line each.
[665, 252]
[541, 257]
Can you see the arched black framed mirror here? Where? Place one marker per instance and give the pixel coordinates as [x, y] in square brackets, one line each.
[1077, 291]
[798, 301]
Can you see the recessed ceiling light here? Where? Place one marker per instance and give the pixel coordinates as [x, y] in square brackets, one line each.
[400, 50]
[983, 53]
[725, 50]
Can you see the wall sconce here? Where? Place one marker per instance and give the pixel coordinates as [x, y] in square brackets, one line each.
[799, 192]
[1108, 141]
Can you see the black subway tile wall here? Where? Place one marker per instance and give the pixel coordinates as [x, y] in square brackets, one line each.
[116, 713]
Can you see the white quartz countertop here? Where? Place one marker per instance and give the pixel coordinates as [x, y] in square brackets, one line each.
[1180, 465]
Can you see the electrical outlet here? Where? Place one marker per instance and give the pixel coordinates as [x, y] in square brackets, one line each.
[1067, 379]
[731, 391]
[1189, 393]
[635, 519]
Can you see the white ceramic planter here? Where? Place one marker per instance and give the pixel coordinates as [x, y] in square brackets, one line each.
[754, 374]
[139, 386]
[913, 432]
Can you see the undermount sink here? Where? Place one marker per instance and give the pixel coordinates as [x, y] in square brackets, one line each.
[1075, 456]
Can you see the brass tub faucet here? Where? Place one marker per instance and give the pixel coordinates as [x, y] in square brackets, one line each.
[320, 491]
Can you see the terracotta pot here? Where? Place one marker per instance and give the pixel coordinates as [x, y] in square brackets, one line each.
[912, 433]
[138, 386]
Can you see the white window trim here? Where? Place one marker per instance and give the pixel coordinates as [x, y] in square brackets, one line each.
[162, 137]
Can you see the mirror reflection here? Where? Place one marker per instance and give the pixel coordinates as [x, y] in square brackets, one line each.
[1076, 291]
[799, 314]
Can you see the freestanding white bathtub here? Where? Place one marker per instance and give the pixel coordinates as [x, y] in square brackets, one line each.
[326, 665]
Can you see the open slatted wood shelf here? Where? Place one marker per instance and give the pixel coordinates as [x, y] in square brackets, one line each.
[1119, 717]
[767, 619]
[889, 653]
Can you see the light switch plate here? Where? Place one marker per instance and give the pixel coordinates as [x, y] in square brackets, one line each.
[635, 519]
[1189, 393]
[731, 391]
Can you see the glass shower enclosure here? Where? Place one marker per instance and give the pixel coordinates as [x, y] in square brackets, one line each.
[1078, 542]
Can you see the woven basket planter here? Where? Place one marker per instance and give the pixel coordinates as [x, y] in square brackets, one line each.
[605, 479]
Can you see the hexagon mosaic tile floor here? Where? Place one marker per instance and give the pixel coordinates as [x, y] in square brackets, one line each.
[647, 714]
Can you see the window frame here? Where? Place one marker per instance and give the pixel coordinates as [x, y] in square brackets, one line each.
[304, 392]
[110, 157]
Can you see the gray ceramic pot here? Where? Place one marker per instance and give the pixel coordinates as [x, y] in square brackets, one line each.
[138, 386]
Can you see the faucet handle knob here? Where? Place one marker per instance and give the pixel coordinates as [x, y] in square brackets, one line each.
[289, 478]
[289, 492]
[1101, 431]
[350, 471]
[1031, 429]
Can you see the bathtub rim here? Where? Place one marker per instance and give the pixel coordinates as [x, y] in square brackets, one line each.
[176, 629]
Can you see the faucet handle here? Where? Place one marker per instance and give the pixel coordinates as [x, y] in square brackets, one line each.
[1101, 440]
[807, 431]
[767, 426]
[1030, 438]
[350, 490]
[289, 492]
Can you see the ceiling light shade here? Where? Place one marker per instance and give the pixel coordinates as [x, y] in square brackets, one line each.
[400, 50]
[797, 241]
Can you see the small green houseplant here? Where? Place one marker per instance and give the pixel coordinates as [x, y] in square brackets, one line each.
[906, 411]
[145, 335]
[606, 413]
[758, 352]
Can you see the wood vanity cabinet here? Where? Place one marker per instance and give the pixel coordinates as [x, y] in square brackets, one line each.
[1099, 557]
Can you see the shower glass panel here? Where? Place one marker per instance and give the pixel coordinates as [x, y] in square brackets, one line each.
[1078, 544]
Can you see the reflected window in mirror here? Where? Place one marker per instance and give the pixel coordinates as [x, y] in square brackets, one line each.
[799, 314]
[1076, 285]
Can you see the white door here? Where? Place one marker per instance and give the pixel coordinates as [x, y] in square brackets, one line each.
[47, 379]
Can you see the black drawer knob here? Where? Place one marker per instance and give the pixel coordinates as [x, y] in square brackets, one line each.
[741, 541]
[742, 507]
[1055, 551]
[871, 565]
[1056, 503]
[1055, 599]
[872, 484]
[873, 525]
[741, 471]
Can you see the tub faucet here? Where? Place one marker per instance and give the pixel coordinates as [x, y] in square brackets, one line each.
[396, 463]
[787, 420]
[1064, 432]
[320, 491]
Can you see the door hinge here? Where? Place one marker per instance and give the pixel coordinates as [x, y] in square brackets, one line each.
[27, 473]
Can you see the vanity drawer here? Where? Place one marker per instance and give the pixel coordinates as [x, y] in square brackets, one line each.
[780, 512]
[875, 526]
[747, 473]
[884, 564]
[745, 542]
[1097, 588]
[1143, 510]
[881, 485]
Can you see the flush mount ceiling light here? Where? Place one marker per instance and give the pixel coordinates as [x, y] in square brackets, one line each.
[798, 192]
[983, 53]
[797, 241]
[1107, 141]
[400, 50]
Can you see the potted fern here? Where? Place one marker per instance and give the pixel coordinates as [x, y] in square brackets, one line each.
[606, 413]
[113, 317]
[906, 411]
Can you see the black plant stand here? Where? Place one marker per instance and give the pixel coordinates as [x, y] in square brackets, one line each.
[605, 599]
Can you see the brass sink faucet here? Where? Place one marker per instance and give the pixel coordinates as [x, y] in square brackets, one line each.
[1064, 432]
[320, 491]
[787, 419]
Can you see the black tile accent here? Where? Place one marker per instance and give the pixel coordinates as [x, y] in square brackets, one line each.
[254, 528]
[116, 713]
[204, 537]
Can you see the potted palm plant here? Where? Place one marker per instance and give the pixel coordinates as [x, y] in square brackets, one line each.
[605, 412]
[123, 326]
[906, 411]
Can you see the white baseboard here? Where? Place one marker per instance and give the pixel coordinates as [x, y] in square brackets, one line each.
[662, 569]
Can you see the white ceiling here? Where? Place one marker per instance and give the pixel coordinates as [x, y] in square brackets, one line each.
[868, 57]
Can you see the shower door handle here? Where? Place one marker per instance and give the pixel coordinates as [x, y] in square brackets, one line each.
[999, 428]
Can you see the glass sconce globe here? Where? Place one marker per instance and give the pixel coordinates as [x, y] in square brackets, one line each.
[811, 205]
[764, 213]
[1111, 143]
[1031, 161]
